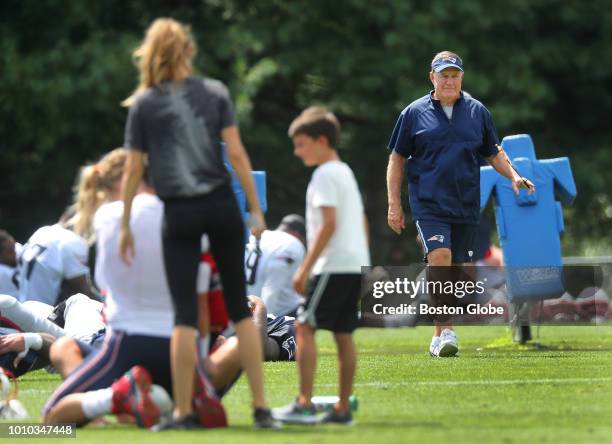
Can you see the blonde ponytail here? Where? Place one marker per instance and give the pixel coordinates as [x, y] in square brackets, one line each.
[166, 53]
[97, 183]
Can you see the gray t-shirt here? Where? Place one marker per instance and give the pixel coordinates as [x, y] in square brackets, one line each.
[179, 126]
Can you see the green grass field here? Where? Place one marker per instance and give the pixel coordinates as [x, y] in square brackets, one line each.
[558, 391]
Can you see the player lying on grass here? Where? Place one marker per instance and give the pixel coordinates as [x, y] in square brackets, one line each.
[30, 328]
[32, 351]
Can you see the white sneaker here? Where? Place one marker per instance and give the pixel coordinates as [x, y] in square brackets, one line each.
[434, 347]
[448, 344]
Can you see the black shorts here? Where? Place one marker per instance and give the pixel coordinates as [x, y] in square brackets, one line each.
[332, 302]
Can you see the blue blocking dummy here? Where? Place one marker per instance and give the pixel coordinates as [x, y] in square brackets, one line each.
[529, 226]
[259, 177]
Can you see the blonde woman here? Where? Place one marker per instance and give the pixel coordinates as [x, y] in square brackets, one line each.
[179, 121]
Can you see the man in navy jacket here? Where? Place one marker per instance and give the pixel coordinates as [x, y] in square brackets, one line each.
[439, 140]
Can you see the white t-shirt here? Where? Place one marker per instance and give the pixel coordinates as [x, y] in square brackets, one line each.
[51, 255]
[281, 255]
[333, 184]
[138, 299]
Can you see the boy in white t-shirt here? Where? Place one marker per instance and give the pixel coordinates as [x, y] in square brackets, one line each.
[337, 249]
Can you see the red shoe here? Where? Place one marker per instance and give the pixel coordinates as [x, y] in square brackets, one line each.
[206, 405]
[131, 396]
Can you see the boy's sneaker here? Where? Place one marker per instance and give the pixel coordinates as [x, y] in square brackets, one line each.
[434, 347]
[188, 422]
[295, 413]
[206, 405]
[336, 417]
[448, 344]
[131, 396]
[262, 419]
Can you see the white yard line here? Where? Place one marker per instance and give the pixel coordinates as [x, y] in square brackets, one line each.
[463, 382]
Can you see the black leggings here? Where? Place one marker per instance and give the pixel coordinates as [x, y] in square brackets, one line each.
[185, 221]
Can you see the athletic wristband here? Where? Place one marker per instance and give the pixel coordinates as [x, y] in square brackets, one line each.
[31, 341]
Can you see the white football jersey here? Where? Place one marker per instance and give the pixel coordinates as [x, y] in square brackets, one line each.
[138, 299]
[51, 255]
[281, 255]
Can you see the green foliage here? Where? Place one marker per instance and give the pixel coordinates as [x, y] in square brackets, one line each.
[540, 66]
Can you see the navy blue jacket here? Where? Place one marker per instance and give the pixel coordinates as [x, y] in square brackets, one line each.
[443, 157]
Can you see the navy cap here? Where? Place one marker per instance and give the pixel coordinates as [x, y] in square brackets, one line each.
[447, 62]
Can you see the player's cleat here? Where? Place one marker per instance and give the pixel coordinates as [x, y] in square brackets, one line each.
[188, 422]
[434, 347]
[206, 405]
[336, 417]
[448, 344]
[131, 396]
[262, 419]
[295, 413]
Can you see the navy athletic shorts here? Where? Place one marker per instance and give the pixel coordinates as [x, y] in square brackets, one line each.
[119, 353]
[282, 330]
[459, 238]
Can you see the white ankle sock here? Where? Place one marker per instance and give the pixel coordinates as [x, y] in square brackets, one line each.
[97, 402]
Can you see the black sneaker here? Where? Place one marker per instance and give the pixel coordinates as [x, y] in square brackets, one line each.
[336, 417]
[263, 419]
[188, 422]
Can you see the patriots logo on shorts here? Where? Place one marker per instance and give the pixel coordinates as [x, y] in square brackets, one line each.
[289, 346]
[437, 237]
